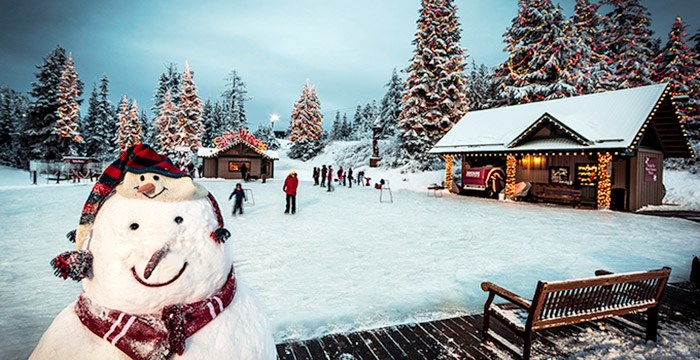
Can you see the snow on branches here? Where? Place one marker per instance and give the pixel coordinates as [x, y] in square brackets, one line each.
[306, 116]
[129, 132]
[68, 113]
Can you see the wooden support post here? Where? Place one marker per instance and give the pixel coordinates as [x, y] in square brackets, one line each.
[652, 323]
[449, 163]
[604, 188]
[511, 163]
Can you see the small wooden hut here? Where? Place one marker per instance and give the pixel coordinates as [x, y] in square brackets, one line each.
[227, 162]
[608, 147]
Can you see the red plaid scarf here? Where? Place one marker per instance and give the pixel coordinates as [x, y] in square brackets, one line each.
[154, 336]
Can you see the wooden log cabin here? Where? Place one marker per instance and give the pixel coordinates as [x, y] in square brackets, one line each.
[607, 147]
[227, 162]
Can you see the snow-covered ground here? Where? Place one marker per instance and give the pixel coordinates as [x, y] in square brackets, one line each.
[682, 192]
[346, 261]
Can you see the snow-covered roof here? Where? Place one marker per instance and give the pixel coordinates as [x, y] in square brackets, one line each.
[610, 120]
[204, 152]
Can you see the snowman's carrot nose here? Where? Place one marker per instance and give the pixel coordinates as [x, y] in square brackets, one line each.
[154, 261]
[146, 188]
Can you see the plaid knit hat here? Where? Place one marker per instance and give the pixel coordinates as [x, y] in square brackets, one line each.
[139, 159]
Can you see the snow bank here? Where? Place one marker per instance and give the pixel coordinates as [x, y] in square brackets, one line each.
[682, 192]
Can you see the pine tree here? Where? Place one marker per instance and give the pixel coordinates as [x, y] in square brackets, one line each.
[68, 113]
[208, 123]
[103, 135]
[346, 128]
[435, 93]
[234, 98]
[589, 28]
[630, 43]
[482, 91]
[545, 60]
[169, 82]
[148, 129]
[390, 108]
[189, 122]
[129, 132]
[369, 115]
[219, 120]
[306, 125]
[266, 135]
[89, 122]
[336, 128]
[13, 110]
[356, 124]
[39, 141]
[166, 125]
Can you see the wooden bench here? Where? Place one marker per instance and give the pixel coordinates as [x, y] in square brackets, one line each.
[557, 193]
[569, 302]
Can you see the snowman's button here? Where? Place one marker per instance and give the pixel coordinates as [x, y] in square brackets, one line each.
[134, 226]
[179, 219]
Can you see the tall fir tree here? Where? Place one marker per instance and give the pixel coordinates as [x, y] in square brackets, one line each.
[169, 82]
[306, 125]
[589, 28]
[129, 132]
[435, 91]
[677, 65]
[234, 98]
[390, 107]
[13, 110]
[482, 91]
[89, 122]
[104, 134]
[336, 128]
[39, 142]
[148, 129]
[166, 125]
[545, 60]
[208, 124]
[68, 113]
[266, 135]
[189, 122]
[346, 128]
[356, 123]
[630, 44]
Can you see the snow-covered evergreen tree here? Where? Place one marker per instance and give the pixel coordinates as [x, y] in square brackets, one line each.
[129, 132]
[166, 125]
[189, 122]
[370, 113]
[306, 125]
[149, 130]
[68, 113]
[356, 123]
[234, 98]
[104, 134]
[482, 91]
[39, 142]
[219, 121]
[266, 135]
[208, 124]
[630, 43]
[390, 107]
[89, 122]
[435, 90]
[346, 128]
[336, 128]
[13, 110]
[677, 65]
[545, 60]
[589, 27]
[169, 82]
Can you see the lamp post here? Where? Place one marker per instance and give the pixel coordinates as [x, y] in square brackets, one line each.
[374, 160]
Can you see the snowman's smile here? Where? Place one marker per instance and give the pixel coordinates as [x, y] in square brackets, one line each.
[144, 283]
[156, 195]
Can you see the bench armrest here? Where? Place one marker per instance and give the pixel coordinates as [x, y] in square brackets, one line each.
[603, 272]
[508, 295]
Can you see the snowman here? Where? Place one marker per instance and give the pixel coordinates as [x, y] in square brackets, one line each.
[157, 274]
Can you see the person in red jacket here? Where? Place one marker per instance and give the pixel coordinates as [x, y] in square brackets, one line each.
[290, 188]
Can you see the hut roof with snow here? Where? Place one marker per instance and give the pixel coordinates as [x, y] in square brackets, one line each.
[611, 121]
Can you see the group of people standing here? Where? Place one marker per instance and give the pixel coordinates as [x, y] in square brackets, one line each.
[324, 177]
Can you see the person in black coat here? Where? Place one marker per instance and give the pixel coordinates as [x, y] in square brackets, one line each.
[239, 195]
[324, 171]
[316, 175]
[350, 180]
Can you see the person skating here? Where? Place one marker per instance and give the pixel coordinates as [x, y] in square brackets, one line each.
[360, 177]
[239, 195]
[350, 180]
[330, 177]
[290, 188]
[324, 172]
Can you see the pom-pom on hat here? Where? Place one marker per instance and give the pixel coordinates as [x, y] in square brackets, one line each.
[139, 158]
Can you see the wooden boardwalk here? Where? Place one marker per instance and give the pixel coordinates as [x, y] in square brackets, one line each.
[460, 337]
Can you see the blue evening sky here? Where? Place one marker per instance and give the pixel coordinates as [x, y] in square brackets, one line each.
[346, 48]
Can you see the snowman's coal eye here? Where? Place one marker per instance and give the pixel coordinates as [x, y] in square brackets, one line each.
[143, 178]
[156, 177]
[178, 220]
[134, 226]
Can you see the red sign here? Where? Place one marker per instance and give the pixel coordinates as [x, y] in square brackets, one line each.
[650, 169]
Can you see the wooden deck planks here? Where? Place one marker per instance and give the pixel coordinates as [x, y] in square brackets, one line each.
[460, 337]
